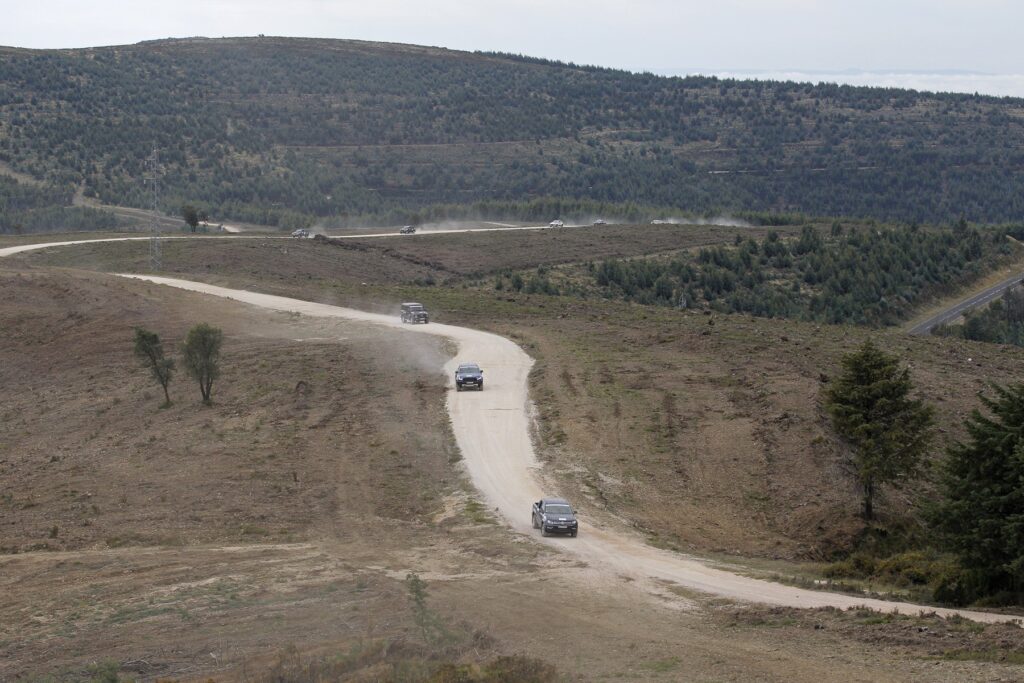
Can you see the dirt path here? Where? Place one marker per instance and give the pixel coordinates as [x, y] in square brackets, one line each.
[10, 251]
[492, 429]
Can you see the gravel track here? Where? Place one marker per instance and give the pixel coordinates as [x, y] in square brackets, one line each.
[492, 429]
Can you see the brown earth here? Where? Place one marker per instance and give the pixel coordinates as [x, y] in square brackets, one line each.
[388, 261]
[737, 454]
[704, 430]
[476, 253]
[191, 541]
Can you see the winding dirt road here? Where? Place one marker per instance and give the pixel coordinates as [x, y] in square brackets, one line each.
[492, 429]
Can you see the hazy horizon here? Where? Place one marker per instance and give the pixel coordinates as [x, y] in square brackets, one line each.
[951, 81]
[978, 38]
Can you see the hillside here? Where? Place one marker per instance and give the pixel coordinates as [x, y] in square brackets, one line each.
[292, 131]
[276, 528]
[703, 429]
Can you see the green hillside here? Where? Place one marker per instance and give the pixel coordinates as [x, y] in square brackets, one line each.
[286, 131]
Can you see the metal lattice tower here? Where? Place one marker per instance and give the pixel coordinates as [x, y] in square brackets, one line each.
[152, 178]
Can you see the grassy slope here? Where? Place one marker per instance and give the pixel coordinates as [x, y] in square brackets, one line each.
[161, 610]
[706, 431]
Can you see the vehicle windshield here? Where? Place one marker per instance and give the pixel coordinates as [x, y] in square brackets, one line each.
[558, 510]
[469, 368]
[414, 307]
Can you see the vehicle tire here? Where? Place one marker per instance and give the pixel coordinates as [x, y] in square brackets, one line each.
[533, 520]
[543, 531]
[573, 534]
[480, 387]
[458, 387]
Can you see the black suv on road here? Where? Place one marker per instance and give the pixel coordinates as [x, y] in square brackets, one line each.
[414, 313]
[469, 375]
[555, 516]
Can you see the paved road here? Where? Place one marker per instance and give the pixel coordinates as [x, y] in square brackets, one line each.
[959, 309]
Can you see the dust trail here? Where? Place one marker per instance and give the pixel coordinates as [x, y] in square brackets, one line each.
[492, 430]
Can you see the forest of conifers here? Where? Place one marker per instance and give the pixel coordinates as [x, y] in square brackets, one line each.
[296, 131]
[865, 276]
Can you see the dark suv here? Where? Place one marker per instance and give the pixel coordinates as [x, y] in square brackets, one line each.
[555, 516]
[414, 313]
[469, 375]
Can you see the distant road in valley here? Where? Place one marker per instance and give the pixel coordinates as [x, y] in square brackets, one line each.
[958, 309]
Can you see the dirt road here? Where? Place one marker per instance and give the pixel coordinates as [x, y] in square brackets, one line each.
[492, 429]
[10, 251]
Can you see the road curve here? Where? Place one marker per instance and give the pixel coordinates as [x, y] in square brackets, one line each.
[974, 300]
[492, 429]
[234, 234]
[11, 251]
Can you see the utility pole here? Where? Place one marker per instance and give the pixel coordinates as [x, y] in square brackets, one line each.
[155, 244]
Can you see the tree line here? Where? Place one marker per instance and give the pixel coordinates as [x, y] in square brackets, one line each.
[27, 208]
[978, 512]
[870, 276]
[288, 132]
[1001, 322]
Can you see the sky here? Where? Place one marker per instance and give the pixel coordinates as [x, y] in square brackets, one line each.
[964, 45]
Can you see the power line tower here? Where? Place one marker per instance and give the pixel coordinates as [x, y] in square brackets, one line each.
[152, 178]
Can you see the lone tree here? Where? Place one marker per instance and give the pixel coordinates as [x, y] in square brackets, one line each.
[191, 216]
[202, 356]
[981, 515]
[150, 351]
[870, 409]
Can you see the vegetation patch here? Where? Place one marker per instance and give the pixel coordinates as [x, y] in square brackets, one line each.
[288, 132]
[927, 635]
[864, 276]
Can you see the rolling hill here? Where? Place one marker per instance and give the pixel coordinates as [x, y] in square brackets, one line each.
[291, 131]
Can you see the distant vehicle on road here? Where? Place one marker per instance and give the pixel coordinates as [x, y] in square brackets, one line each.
[469, 375]
[600, 221]
[555, 516]
[556, 224]
[414, 313]
[658, 221]
[407, 230]
[301, 232]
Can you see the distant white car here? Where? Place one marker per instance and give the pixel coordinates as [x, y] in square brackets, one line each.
[657, 221]
[600, 221]
[407, 230]
[556, 224]
[300, 233]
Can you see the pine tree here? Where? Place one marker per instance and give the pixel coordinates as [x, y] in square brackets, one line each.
[870, 409]
[981, 515]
